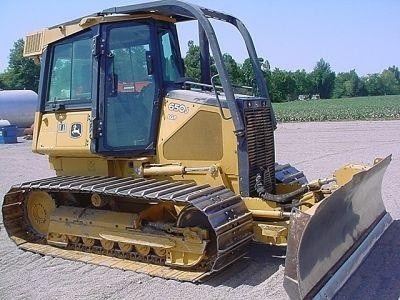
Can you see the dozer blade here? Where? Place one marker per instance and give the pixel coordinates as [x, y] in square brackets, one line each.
[321, 239]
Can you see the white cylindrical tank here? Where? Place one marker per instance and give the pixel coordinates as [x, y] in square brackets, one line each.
[18, 107]
[4, 123]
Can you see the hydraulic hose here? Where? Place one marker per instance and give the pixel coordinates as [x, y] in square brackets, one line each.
[286, 198]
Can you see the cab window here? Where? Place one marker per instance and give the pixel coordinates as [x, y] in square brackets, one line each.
[169, 56]
[71, 71]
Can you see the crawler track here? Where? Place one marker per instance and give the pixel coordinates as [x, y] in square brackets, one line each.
[225, 212]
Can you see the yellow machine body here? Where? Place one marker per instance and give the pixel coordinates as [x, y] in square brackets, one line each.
[198, 139]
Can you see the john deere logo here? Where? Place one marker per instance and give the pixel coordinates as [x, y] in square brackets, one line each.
[76, 130]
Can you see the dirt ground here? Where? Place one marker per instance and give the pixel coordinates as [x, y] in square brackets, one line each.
[315, 148]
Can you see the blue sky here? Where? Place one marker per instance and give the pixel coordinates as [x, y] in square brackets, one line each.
[354, 34]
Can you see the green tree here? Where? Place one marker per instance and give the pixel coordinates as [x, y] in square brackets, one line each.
[22, 72]
[347, 84]
[396, 72]
[283, 85]
[391, 85]
[373, 84]
[339, 90]
[192, 61]
[323, 79]
[246, 72]
[303, 81]
[3, 81]
[232, 68]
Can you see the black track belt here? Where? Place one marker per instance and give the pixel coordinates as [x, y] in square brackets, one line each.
[229, 219]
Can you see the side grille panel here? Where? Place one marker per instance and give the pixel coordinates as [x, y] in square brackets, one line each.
[260, 143]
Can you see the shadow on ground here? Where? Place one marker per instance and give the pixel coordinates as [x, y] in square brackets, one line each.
[378, 277]
[261, 263]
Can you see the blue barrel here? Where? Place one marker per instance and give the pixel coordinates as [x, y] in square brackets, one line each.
[8, 134]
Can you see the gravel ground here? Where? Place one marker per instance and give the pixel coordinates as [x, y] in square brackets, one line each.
[315, 148]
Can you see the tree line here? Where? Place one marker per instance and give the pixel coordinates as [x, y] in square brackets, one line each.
[288, 85]
[23, 73]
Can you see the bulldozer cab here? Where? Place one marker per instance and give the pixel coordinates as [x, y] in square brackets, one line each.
[121, 83]
[121, 62]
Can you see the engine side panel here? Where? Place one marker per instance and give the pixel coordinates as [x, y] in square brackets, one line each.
[202, 138]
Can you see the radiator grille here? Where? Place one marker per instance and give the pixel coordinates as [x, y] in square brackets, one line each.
[33, 44]
[260, 145]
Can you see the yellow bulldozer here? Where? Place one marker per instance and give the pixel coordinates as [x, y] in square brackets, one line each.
[160, 174]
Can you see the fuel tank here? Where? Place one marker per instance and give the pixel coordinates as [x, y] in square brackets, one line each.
[18, 107]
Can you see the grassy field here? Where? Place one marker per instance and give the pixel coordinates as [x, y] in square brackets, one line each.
[359, 108]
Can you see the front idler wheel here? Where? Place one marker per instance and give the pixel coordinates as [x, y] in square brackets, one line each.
[39, 206]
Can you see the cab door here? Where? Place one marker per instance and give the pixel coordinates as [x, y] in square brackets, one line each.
[128, 102]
